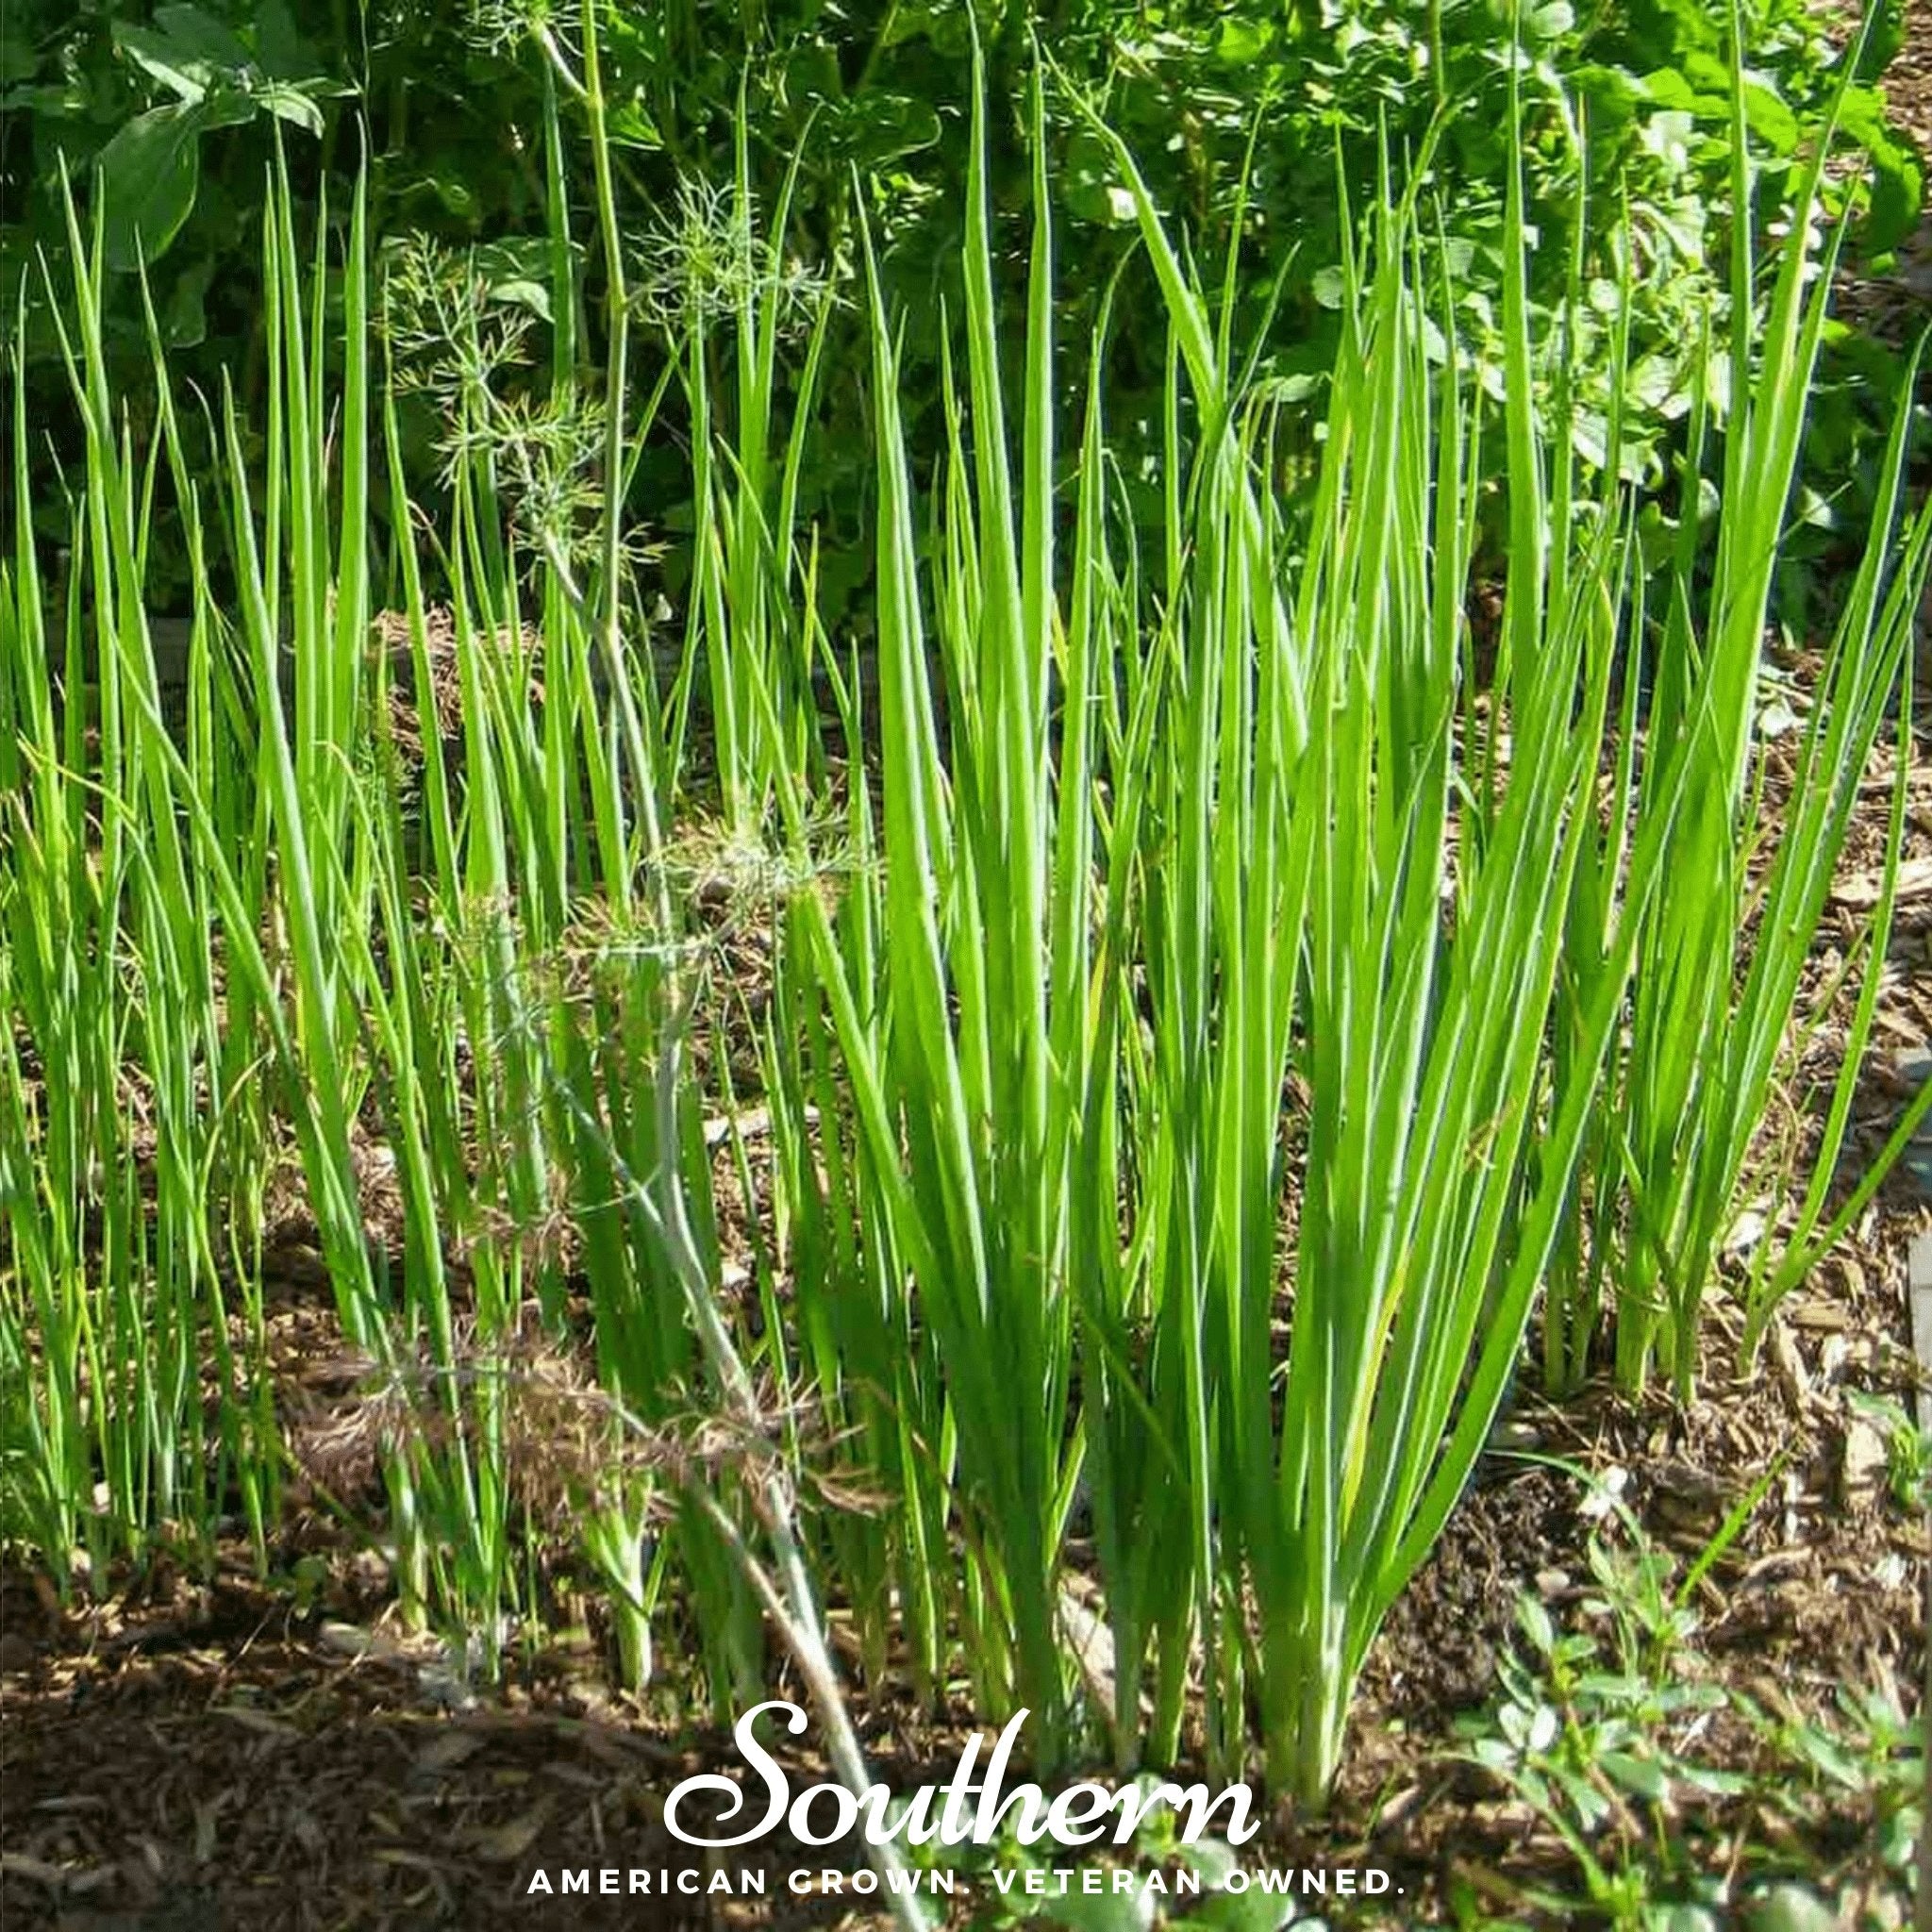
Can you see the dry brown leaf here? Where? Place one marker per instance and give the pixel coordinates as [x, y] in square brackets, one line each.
[506, 1843]
[448, 1751]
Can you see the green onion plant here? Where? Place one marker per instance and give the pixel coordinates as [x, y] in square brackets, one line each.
[1756, 839]
[1205, 1013]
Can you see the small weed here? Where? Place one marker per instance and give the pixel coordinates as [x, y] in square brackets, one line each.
[1683, 1802]
[1907, 1448]
[1176, 1884]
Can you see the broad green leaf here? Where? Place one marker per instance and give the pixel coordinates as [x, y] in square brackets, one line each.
[183, 321]
[179, 69]
[1252, 1910]
[290, 103]
[281, 49]
[19, 56]
[147, 180]
[1100, 1912]
[1642, 1776]
[201, 36]
[884, 126]
[1790, 1907]
[516, 271]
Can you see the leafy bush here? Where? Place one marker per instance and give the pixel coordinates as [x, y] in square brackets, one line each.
[1240, 115]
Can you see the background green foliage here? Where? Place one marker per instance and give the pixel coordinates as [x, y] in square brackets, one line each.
[1237, 112]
